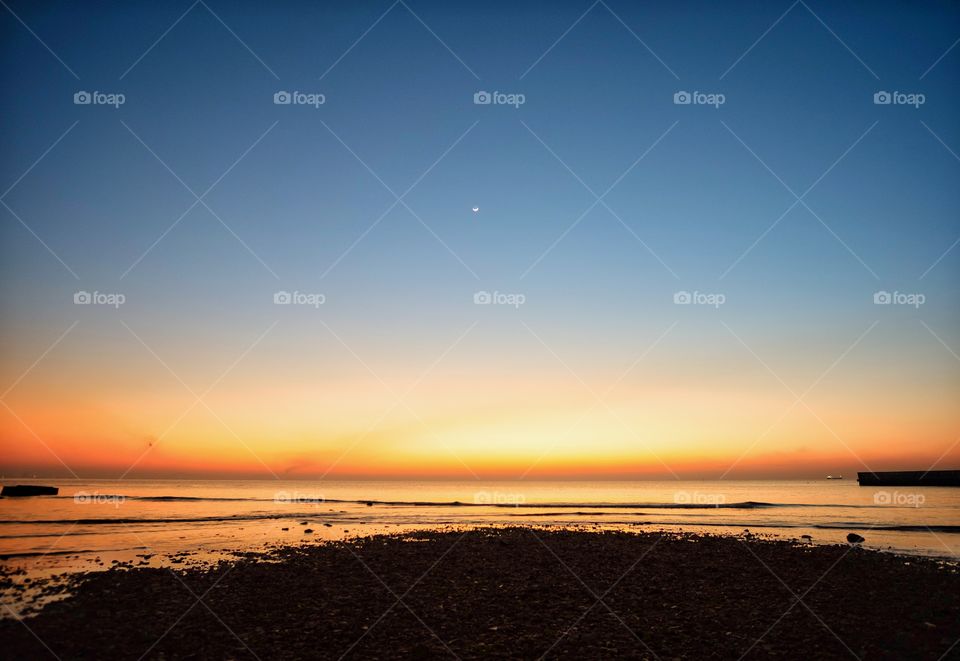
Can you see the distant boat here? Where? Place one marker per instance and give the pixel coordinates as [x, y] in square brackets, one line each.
[949, 478]
[834, 477]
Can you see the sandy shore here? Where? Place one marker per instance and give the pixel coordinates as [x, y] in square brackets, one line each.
[516, 592]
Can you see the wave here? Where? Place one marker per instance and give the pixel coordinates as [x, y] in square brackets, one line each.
[606, 517]
[90, 497]
[129, 520]
[900, 528]
[603, 516]
[40, 554]
[846, 525]
[294, 499]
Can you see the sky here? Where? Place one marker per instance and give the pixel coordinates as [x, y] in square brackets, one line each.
[585, 277]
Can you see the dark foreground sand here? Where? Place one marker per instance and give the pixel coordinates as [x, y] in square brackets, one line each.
[517, 592]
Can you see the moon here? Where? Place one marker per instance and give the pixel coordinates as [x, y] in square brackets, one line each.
[476, 209]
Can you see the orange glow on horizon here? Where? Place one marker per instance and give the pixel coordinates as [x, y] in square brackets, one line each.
[504, 426]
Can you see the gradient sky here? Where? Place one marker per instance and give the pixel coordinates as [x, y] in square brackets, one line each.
[399, 373]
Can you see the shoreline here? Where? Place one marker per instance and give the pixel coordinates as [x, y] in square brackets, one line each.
[516, 591]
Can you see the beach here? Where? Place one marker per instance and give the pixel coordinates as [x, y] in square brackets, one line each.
[510, 592]
[514, 330]
[91, 523]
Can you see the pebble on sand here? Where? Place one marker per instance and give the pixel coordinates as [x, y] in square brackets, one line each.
[854, 538]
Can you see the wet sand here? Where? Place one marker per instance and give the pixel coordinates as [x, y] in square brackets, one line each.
[519, 592]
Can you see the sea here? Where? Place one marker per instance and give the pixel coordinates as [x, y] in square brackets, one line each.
[95, 524]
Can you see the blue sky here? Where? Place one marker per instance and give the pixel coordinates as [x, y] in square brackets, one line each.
[695, 213]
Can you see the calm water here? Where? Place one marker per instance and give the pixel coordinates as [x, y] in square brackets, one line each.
[93, 522]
